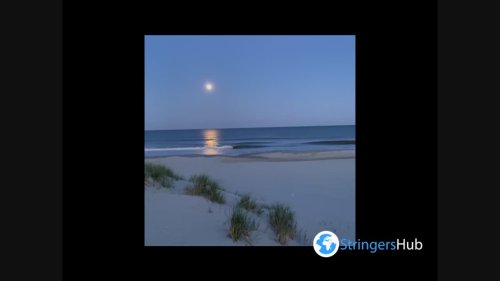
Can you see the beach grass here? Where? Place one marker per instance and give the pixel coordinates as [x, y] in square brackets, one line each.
[282, 221]
[246, 202]
[241, 225]
[160, 174]
[206, 187]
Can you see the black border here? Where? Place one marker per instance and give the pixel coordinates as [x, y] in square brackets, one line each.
[31, 122]
[467, 139]
[397, 67]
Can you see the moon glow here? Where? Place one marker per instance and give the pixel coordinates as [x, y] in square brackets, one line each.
[209, 87]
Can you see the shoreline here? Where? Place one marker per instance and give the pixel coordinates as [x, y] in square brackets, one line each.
[275, 156]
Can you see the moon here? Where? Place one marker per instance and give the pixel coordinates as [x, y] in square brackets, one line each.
[209, 87]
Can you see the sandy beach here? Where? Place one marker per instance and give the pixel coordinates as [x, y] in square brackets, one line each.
[318, 186]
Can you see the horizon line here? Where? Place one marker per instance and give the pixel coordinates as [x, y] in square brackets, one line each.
[213, 128]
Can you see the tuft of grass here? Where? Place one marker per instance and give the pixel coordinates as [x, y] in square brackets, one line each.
[204, 186]
[282, 221]
[160, 174]
[246, 202]
[240, 225]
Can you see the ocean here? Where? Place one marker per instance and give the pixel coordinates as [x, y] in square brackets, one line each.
[247, 141]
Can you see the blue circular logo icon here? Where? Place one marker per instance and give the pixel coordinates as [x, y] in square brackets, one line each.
[326, 244]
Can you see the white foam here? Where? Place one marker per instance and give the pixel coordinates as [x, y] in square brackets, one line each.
[187, 148]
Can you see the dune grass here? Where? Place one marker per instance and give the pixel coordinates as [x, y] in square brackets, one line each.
[160, 174]
[246, 202]
[204, 186]
[241, 225]
[282, 221]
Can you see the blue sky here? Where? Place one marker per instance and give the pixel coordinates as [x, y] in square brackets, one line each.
[259, 81]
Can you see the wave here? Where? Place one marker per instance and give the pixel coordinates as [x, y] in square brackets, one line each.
[250, 145]
[304, 155]
[242, 146]
[332, 142]
[253, 145]
[188, 148]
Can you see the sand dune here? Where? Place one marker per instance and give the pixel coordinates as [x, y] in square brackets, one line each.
[319, 187]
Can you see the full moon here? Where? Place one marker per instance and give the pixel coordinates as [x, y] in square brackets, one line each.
[209, 87]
